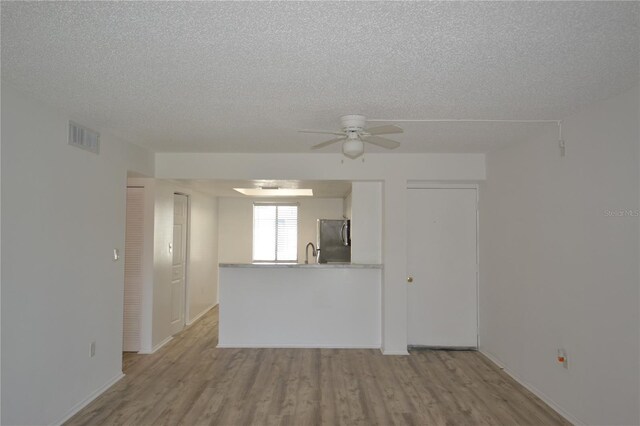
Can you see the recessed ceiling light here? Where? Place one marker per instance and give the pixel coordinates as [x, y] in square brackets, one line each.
[273, 192]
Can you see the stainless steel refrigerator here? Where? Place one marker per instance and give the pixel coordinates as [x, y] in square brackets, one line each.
[334, 241]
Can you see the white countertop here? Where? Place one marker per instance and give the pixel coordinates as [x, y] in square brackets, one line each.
[302, 265]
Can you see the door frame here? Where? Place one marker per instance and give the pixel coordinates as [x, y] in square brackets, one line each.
[187, 255]
[418, 184]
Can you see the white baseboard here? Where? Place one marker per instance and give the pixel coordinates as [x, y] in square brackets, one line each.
[201, 314]
[157, 347]
[295, 346]
[394, 352]
[570, 418]
[93, 395]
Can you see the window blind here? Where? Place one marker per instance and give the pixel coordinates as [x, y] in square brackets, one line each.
[275, 233]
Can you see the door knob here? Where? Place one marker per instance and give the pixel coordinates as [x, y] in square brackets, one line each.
[409, 280]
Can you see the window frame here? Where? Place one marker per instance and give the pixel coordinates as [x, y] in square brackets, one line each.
[253, 229]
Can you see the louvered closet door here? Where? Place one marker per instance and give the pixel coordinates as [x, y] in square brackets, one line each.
[134, 243]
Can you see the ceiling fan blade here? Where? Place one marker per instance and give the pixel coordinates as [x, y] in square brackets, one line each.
[322, 132]
[383, 142]
[384, 130]
[329, 142]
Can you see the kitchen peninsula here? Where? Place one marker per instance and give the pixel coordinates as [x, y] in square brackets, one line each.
[300, 305]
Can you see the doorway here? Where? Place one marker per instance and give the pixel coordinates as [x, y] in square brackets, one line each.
[179, 263]
[442, 266]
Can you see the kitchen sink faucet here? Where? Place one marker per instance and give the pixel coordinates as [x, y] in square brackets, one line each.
[314, 252]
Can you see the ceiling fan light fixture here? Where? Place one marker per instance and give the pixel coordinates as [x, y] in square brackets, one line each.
[354, 134]
[353, 148]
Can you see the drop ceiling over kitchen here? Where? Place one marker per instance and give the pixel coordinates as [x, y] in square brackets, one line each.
[225, 188]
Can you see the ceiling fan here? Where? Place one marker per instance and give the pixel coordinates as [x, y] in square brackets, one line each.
[354, 134]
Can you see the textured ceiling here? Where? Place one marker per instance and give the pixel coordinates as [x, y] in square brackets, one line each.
[243, 76]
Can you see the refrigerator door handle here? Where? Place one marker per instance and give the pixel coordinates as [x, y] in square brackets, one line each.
[343, 234]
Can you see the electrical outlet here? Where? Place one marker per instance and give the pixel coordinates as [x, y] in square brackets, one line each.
[93, 349]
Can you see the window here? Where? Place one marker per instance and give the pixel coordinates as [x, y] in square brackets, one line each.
[275, 233]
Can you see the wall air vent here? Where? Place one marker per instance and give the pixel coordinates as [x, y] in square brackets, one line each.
[82, 137]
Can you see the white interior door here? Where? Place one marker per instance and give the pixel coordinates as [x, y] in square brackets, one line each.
[178, 273]
[133, 269]
[442, 260]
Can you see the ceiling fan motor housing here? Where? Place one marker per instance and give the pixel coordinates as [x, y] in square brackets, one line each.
[353, 122]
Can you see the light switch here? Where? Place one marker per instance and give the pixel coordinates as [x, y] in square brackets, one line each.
[116, 254]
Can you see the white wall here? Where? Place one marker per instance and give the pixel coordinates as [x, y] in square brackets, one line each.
[394, 170]
[346, 209]
[235, 230]
[366, 222]
[63, 212]
[236, 225]
[556, 271]
[203, 254]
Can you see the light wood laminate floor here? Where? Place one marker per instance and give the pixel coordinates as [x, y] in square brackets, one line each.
[191, 382]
